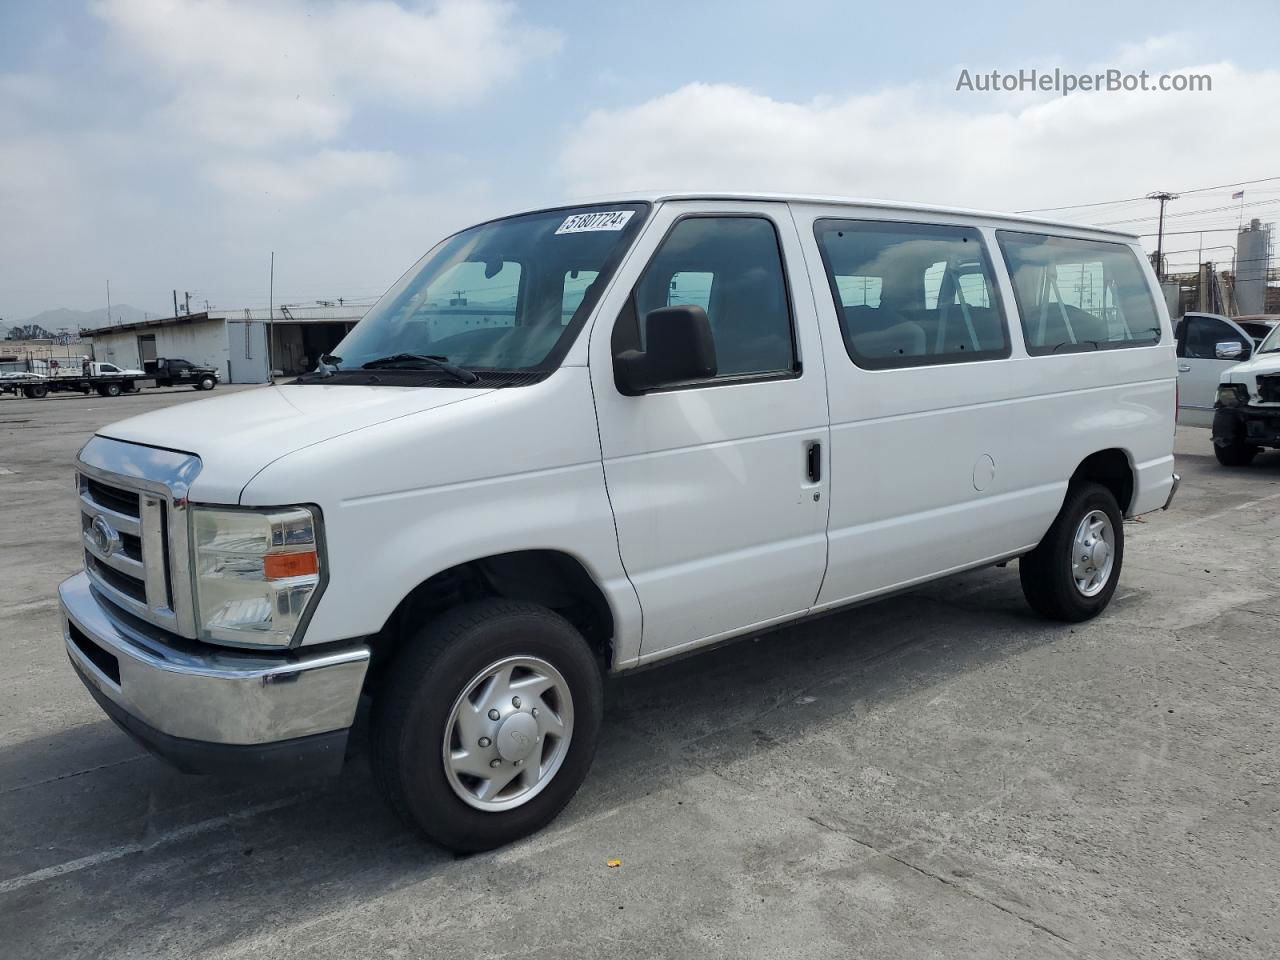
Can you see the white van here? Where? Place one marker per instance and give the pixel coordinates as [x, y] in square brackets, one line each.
[590, 438]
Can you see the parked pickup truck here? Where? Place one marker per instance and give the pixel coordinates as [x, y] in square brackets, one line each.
[175, 372]
[582, 440]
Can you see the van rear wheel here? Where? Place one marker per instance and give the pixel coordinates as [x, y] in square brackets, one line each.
[487, 723]
[1073, 573]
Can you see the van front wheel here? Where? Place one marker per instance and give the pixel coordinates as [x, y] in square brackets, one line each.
[487, 724]
[1073, 573]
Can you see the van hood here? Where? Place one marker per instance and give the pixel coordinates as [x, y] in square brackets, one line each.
[237, 434]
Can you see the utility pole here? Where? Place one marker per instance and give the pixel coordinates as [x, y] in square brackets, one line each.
[1164, 196]
[187, 295]
[271, 319]
[108, 303]
[175, 303]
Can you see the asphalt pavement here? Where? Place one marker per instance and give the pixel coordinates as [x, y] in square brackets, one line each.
[941, 774]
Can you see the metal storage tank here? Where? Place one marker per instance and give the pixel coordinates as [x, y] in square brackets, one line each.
[1253, 256]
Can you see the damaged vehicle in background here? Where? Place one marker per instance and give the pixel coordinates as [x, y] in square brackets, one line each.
[1208, 345]
[1246, 416]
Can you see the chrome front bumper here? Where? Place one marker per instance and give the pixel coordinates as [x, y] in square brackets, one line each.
[207, 709]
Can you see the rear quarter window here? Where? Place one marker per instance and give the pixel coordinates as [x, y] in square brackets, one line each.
[1077, 295]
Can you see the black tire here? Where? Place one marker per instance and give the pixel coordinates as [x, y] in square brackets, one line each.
[206, 383]
[412, 709]
[1045, 572]
[109, 389]
[37, 392]
[1237, 453]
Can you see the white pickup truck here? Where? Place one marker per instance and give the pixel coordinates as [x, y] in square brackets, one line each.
[582, 440]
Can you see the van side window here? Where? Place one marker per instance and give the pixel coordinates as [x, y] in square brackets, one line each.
[1078, 295]
[909, 294]
[691, 288]
[731, 266]
[859, 291]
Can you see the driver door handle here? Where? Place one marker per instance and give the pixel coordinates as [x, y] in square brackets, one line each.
[1184, 368]
[813, 462]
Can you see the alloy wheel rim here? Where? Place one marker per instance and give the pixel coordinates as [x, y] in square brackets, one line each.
[508, 733]
[1093, 553]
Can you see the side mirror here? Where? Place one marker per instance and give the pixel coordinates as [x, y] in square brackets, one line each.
[678, 347]
[1228, 350]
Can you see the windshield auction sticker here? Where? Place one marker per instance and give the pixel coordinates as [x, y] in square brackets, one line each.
[603, 220]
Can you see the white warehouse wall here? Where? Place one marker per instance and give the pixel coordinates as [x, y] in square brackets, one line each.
[204, 342]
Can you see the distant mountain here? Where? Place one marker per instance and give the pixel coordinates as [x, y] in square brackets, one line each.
[74, 320]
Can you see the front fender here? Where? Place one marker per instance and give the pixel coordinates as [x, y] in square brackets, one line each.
[514, 469]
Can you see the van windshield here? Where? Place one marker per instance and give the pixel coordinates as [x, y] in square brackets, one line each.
[502, 296]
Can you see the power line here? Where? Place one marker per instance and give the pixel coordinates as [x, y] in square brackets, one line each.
[1079, 206]
[1109, 203]
[1184, 233]
[1194, 213]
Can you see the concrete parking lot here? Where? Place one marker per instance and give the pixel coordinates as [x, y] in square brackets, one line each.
[940, 774]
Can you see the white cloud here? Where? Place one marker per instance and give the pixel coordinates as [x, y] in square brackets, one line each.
[274, 70]
[964, 149]
[307, 177]
[1154, 51]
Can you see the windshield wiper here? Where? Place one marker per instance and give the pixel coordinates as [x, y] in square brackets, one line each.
[421, 359]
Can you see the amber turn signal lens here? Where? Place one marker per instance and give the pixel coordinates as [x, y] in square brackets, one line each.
[281, 566]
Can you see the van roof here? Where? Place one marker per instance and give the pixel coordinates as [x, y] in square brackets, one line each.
[656, 196]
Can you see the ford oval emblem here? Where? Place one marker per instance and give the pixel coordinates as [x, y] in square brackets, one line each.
[104, 538]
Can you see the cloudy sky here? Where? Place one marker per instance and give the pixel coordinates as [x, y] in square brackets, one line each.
[175, 143]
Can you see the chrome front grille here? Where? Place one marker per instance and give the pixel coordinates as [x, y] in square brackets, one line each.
[133, 529]
[124, 545]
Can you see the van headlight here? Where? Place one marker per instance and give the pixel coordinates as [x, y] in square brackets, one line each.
[257, 573]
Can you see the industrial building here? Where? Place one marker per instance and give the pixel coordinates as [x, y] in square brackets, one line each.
[233, 341]
[1249, 286]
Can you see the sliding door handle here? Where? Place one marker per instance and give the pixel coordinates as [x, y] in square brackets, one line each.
[813, 462]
